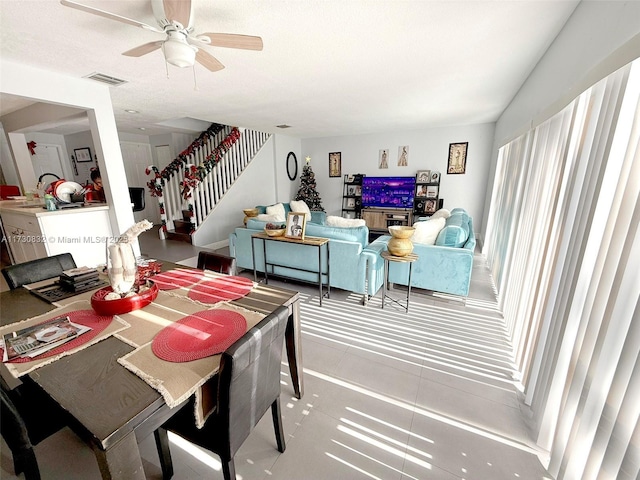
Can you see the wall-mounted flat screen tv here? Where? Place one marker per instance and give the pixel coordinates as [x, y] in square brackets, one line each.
[388, 192]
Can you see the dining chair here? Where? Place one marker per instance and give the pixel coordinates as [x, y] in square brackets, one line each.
[36, 270]
[27, 419]
[136, 195]
[248, 384]
[217, 262]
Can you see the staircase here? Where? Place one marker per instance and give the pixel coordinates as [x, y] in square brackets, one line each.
[191, 186]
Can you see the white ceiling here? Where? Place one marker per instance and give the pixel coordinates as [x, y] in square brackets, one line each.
[328, 68]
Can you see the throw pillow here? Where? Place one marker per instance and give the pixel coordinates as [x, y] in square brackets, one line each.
[334, 221]
[442, 213]
[427, 232]
[452, 236]
[300, 206]
[277, 210]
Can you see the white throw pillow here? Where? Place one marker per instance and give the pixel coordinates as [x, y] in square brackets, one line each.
[277, 211]
[334, 221]
[427, 232]
[300, 206]
[264, 217]
[442, 213]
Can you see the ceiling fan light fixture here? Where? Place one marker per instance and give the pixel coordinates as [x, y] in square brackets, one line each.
[179, 53]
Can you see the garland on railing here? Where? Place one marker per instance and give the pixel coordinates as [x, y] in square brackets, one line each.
[156, 185]
[194, 175]
[190, 181]
[185, 155]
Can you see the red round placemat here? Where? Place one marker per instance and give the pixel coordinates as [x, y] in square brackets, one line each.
[88, 318]
[221, 289]
[199, 335]
[176, 278]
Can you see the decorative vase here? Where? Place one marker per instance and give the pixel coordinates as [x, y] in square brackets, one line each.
[400, 244]
[121, 267]
[249, 213]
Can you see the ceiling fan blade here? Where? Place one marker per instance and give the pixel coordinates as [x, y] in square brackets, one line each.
[143, 49]
[208, 61]
[178, 10]
[231, 40]
[111, 16]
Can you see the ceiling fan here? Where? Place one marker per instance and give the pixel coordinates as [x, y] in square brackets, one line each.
[181, 47]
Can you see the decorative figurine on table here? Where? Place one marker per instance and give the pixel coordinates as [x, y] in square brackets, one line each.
[121, 262]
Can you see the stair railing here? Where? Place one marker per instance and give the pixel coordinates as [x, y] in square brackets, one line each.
[200, 176]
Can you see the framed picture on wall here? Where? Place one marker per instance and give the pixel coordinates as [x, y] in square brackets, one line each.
[457, 157]
[335, 164]
[83, 154]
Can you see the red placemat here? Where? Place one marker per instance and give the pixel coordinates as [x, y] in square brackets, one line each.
[88, 318]
[177, 278]
[199, 335]
[221, 289]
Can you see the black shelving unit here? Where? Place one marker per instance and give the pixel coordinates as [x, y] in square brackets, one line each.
[352, 196]
[427, 197]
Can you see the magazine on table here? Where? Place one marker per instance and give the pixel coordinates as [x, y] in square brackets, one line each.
[33, 341]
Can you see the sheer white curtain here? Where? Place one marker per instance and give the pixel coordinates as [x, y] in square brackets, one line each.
[562, 241]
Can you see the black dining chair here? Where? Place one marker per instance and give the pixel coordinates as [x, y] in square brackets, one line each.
[248, 384]
[27, 419]
[36, 270]
[136, 195]
[217, 262]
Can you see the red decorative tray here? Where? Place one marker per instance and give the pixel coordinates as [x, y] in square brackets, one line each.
[123, 305]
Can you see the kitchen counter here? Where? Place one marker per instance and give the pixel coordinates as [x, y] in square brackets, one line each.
[36, 208]
[32, 232]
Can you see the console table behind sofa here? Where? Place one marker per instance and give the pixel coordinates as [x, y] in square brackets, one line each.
[354, 267]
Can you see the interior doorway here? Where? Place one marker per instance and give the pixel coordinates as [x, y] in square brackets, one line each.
[49, 159]
[137, 157]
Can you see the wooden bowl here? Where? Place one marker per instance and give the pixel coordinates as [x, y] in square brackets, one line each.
[122, 305]
[401, 231]
[275, 232]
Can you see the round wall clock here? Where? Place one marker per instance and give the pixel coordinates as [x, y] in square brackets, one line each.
[292, 166]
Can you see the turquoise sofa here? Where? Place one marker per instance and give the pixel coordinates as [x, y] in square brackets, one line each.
[353, 267]
[445, 267]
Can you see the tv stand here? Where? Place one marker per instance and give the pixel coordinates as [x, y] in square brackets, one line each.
[380, 219]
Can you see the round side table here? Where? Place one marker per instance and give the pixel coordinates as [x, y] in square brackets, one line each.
[410, 258]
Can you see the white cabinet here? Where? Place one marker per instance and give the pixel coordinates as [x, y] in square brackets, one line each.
[23, 237]
[39, 233]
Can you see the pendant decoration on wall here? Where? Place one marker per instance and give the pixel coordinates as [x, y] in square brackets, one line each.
[32, 147]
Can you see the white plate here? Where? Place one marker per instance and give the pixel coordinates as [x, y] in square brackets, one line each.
[66, 189]
[17, 197]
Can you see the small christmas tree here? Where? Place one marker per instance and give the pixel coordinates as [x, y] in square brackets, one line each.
[307, 190]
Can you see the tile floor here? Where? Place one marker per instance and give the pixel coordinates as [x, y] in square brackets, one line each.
[388, 395]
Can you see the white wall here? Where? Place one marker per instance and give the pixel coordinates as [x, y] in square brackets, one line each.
[428, 150]
[6, 161]
[285, 188]
[599, 38]
[51, 88]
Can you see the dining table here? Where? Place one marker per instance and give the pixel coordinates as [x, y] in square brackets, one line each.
[110, 407]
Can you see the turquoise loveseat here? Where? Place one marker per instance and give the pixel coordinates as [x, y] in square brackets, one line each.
[353, 267]
[445, 267]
